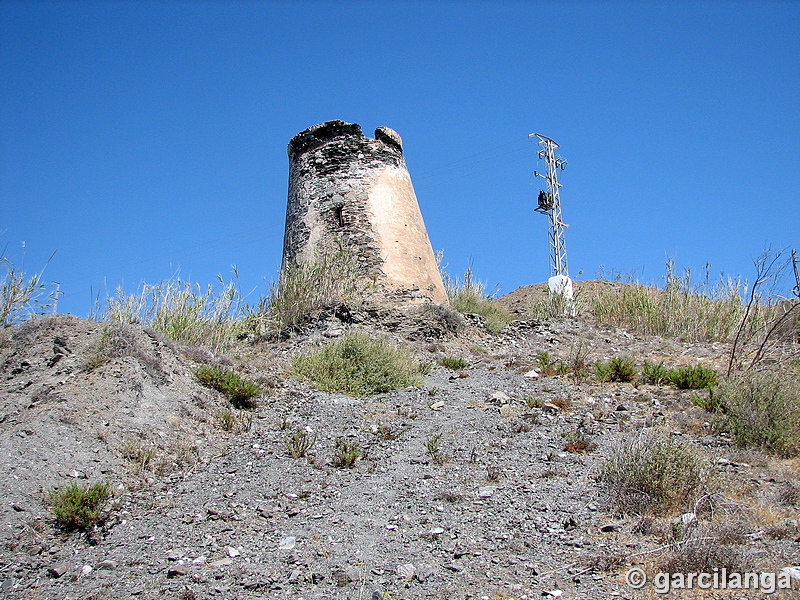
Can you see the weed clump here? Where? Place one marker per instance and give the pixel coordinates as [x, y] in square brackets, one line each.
[432, 445]
[453, 362]
[233, 420]
[655, 373]
[345, 454]
[330, 278]
[300, 442]
[619, 368]
[578, 442]
[180, 310]
[241, 392]
[78, 507]
[654, 473]
[695, 377]
[23, 296]
[359, 366]
[761, 409]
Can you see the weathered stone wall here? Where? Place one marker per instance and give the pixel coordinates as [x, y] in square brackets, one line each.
[350, 189]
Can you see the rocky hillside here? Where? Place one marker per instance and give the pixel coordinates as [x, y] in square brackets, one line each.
[481, 483]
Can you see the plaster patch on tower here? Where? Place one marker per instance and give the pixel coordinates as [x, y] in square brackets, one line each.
[345, 188]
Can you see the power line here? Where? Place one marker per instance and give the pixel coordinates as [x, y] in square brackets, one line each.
[473, 173]
[473, 155]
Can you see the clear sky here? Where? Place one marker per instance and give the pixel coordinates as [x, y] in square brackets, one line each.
[144, 139]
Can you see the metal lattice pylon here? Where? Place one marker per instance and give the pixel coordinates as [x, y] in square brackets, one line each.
[550, 205]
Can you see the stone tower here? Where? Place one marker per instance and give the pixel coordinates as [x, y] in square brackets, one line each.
[345, 188]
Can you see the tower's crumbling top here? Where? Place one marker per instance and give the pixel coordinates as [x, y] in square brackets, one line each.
[320, 134]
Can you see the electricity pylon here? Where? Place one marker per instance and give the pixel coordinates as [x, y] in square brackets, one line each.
[549, 203]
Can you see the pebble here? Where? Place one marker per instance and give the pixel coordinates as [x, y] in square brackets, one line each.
[423, 572]
[222, 562]
[58, 570]
[406, 571]
[487, 491]
[288, 543]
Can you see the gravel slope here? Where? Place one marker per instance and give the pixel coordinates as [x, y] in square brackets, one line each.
[506, 512]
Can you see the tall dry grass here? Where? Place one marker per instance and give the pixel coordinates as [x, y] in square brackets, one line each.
[331, 278]
[181, 310]
[688, 310]
[469, 296]
[22, 295]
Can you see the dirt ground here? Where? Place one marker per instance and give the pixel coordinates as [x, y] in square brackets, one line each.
[506, 508]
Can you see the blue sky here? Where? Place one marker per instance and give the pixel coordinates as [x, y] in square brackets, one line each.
[144, 139]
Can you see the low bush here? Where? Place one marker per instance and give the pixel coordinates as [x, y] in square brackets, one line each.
[654, 473]
[545, 362]
[453, 362]
[79, 506]
[655, 373]
[554, 306]
[619, 368]
[762, 409]
[233, 420]
[359, 366]
[578, 442]
[694, 377]
[22, 295]
[433, 446]
[682, 308]
[240, 391]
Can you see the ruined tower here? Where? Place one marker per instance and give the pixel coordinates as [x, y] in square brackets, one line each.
[348, 189]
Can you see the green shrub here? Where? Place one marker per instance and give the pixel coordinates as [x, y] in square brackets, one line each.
[578, 367]
[534, 402]
[346, 454]
[619, 368]
[359, 366]
[432, 445]
[654, 473]
[694, 377]
[710, 403]
[554, 305]
[655, 373]
[602, 370]
[762, 409]
[452, 362]
[241, 392]
[544, 362]
[78, 507]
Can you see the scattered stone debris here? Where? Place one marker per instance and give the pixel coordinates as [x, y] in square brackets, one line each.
[203, 512]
